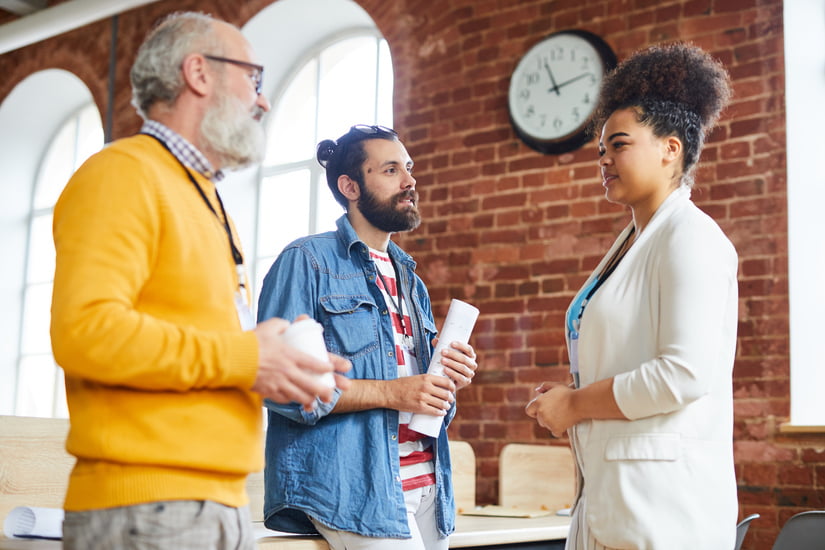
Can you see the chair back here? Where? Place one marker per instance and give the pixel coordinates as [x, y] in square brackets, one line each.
[742, 530]
[804, 531]
[463, 459]
[541, 477]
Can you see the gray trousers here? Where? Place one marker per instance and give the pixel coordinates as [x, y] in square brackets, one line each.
[170, 525]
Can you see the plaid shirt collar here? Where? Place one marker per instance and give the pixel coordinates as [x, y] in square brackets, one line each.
[184, 151]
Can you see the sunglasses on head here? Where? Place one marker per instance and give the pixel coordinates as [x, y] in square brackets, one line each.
[369, 130]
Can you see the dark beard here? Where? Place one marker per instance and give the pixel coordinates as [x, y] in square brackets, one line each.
[385, 216]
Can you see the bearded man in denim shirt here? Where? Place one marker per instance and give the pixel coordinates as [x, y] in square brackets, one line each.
[352, 469]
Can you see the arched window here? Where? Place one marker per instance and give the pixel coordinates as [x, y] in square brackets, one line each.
[40, 390]
[339, 83]
[317, 92]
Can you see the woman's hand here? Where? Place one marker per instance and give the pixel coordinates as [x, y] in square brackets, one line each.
[553, 408]
[558, 407]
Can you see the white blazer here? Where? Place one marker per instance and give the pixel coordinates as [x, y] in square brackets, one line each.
[663, 325]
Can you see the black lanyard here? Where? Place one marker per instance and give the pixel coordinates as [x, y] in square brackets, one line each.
[400, 304]
[236, 254]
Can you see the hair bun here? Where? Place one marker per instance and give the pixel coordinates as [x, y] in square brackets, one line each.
[325, 151]
[679, 73]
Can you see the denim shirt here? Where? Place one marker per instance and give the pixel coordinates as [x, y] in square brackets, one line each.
[343, 469]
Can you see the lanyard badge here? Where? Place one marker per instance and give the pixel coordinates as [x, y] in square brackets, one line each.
[242, 300]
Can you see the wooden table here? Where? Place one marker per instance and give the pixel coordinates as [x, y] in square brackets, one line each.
[471, 532]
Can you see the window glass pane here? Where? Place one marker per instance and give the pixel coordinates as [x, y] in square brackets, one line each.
[291, 135]
[283, 211]
[347, 88]
[36, 319]
[385, 85]
[348, 82]
[41, 250]
[57, 166]
[61, 408]
[89, 135]
[35, 386]
[261, 269]
[328, 208]
[79, 138]
[40, 390]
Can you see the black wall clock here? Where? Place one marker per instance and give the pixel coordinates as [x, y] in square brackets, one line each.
[554, 89]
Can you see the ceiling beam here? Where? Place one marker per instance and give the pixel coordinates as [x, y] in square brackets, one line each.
[61, 18]
[23, 7]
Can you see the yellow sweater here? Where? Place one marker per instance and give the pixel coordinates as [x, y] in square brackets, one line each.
[144, 325]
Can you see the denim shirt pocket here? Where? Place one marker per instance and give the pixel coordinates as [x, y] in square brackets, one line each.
[350, 324]
[430, 329]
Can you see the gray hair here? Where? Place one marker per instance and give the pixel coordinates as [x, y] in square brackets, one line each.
[156, 75]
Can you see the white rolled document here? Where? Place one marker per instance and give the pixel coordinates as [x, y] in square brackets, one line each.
[307, 335]
[31, 522]
[458, 326]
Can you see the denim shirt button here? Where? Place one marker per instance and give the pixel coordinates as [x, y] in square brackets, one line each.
[394, 437]
[389, 354]
[398, 478]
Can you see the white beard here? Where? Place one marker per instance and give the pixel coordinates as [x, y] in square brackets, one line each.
[234, 134]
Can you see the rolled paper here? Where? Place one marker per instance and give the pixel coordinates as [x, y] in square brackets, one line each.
[307, 335]
[33, 522]
[458, 326]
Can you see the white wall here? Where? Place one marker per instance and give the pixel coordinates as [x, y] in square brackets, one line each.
[805, 108]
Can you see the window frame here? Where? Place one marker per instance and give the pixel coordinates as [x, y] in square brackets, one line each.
[58, 399]
[316, 171]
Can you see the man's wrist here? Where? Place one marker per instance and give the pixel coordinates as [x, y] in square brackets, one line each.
[364, 395]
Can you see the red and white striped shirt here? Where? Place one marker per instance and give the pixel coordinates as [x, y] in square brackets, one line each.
[414, 449]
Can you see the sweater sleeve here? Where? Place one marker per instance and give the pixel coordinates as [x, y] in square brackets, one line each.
[696, 286]
[120, 310]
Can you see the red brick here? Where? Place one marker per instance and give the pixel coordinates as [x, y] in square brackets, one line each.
[795, 475]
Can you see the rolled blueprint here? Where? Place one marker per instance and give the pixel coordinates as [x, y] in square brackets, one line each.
[33, 522]
[461, 318]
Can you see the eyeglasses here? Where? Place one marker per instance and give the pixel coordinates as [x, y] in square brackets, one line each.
[257, 75]
[369, 130]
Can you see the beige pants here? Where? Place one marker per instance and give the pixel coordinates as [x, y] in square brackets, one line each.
[172, 525]
[579, 537]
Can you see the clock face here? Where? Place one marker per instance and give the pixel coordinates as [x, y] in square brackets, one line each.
[555, 87]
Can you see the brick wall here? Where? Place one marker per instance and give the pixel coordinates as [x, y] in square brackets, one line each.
[516, 232]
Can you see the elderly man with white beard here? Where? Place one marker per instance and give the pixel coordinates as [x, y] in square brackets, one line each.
[165, 367]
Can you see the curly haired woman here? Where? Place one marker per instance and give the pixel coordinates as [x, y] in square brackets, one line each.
[652, 333]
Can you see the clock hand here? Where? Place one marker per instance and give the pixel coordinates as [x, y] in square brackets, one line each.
[566, 82]
[555, 87]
